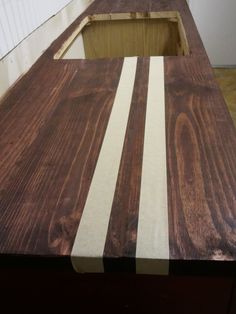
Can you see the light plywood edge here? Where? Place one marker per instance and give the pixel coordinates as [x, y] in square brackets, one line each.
[172, 16]
[183, 36]
[71, 38]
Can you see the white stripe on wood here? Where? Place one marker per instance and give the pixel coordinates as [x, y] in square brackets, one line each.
[152, 251]
[87, 252]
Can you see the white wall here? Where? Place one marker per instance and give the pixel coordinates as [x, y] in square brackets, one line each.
[23, 56]
[19, 18]
[216, 22]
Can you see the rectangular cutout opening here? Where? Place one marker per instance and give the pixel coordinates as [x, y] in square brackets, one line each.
[126, 35]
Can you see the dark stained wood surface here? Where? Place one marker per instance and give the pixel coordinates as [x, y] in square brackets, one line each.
[201, 164]
[42, 198]
[122, 230]
[52, 123]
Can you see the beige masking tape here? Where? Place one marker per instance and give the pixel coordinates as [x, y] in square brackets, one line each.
[87, 252]
[152, 251]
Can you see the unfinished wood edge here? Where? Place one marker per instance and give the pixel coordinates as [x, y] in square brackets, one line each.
[133, 15]
[66, 45]
[183, 36]
[172, 15]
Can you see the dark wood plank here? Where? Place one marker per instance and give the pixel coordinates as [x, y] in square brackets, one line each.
[122, 231]
[201, 164]
[44, 198]
[61, 104]
[27, 109]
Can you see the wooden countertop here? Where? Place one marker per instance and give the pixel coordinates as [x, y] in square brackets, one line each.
[52, 128]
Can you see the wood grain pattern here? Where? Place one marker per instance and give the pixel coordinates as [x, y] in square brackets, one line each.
[152, 252]
[44, 198]
[106, 39]
[226, 79]
[126, 34]
[24, 114]
[201, 166]
[87, 252]
[121, 237]
[52, 124]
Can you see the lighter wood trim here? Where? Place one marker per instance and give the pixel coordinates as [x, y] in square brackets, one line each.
[152, 252]
[172, 15]
[91, 235]
[65, 46]
[183, 36]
